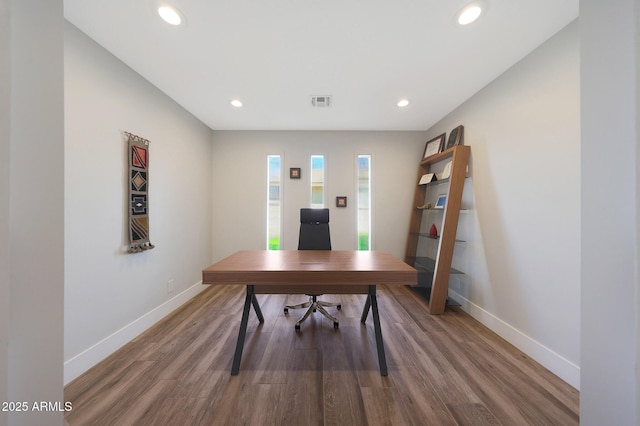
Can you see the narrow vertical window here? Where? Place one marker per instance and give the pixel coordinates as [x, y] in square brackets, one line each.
[274, 202]
[317, 181]
[364, 202]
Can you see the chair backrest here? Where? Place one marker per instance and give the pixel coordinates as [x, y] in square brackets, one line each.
[314, 230]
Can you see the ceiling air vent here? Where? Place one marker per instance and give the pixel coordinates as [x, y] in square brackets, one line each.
[321, 101]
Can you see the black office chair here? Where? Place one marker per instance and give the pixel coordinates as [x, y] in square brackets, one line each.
[314, 235]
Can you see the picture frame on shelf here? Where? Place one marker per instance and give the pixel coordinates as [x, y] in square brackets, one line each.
[427, 178]
[441, 201]
[294, 173]
[456, 137]
[434, 146]
[446, 173]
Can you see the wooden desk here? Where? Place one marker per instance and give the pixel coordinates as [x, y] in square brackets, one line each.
[310, 271]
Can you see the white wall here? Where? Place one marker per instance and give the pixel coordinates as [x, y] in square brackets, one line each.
[111, 296]
[522, 259]
[5, 149]
[239, 185]
[36, 208]
[610, 391]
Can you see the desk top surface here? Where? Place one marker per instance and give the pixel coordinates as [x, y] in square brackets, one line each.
[310, 267]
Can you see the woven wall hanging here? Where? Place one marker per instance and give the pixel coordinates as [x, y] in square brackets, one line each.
[138, 194]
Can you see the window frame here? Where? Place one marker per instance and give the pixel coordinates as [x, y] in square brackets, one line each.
[369, 233]
[323, 182]
[269, 219]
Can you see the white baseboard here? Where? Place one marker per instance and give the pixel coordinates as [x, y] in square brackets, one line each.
[82, 362]
[558, 365]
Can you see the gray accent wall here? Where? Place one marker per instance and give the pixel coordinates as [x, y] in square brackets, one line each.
[32, 345]
[610, 374]
[522, 256]
[111, 296]
[240, 185]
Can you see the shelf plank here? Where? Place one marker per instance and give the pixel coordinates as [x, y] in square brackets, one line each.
[425, 235]
[427, 264]
[436, 182]
[438, 157]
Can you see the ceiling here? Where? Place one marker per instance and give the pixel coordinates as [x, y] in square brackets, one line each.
[275, 54]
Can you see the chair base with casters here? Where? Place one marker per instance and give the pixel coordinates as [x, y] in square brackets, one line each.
[314, 305]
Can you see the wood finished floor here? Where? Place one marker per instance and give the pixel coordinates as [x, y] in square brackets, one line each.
[443, 370]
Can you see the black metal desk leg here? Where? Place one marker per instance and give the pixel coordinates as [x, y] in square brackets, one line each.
[382, 360]
[256, 307]
[237, 357]
[365, 311]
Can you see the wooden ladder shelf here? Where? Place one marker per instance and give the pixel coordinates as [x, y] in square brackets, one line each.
[440, 267]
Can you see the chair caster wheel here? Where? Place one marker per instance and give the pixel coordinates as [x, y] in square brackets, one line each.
[286, 311]
[297, 327]
[314, 310]
[339, 307]
[336, 325]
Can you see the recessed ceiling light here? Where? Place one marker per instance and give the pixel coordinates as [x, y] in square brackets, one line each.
[170, 14]
[403, 103]
[236, 103]
[469, 14]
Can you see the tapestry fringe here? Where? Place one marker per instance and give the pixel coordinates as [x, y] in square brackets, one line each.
[137, 248]
[136, 138]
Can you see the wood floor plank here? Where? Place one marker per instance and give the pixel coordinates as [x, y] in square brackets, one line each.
[303, 394]
[420, 400]
[311, 331]
[224, 402]
[480, 383]
[434, 365]
[342, 397]
[443, 370]
[143, 409]
[503, 375]
[352, 305]
[492, 369]
[190, 348]
[174, 411]
[473, 415]
[383, 407]
[276, 359]
[104, 375]
[363, 355]
[494, 344]
[254, 404]
[390, 310]
[99, 404]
